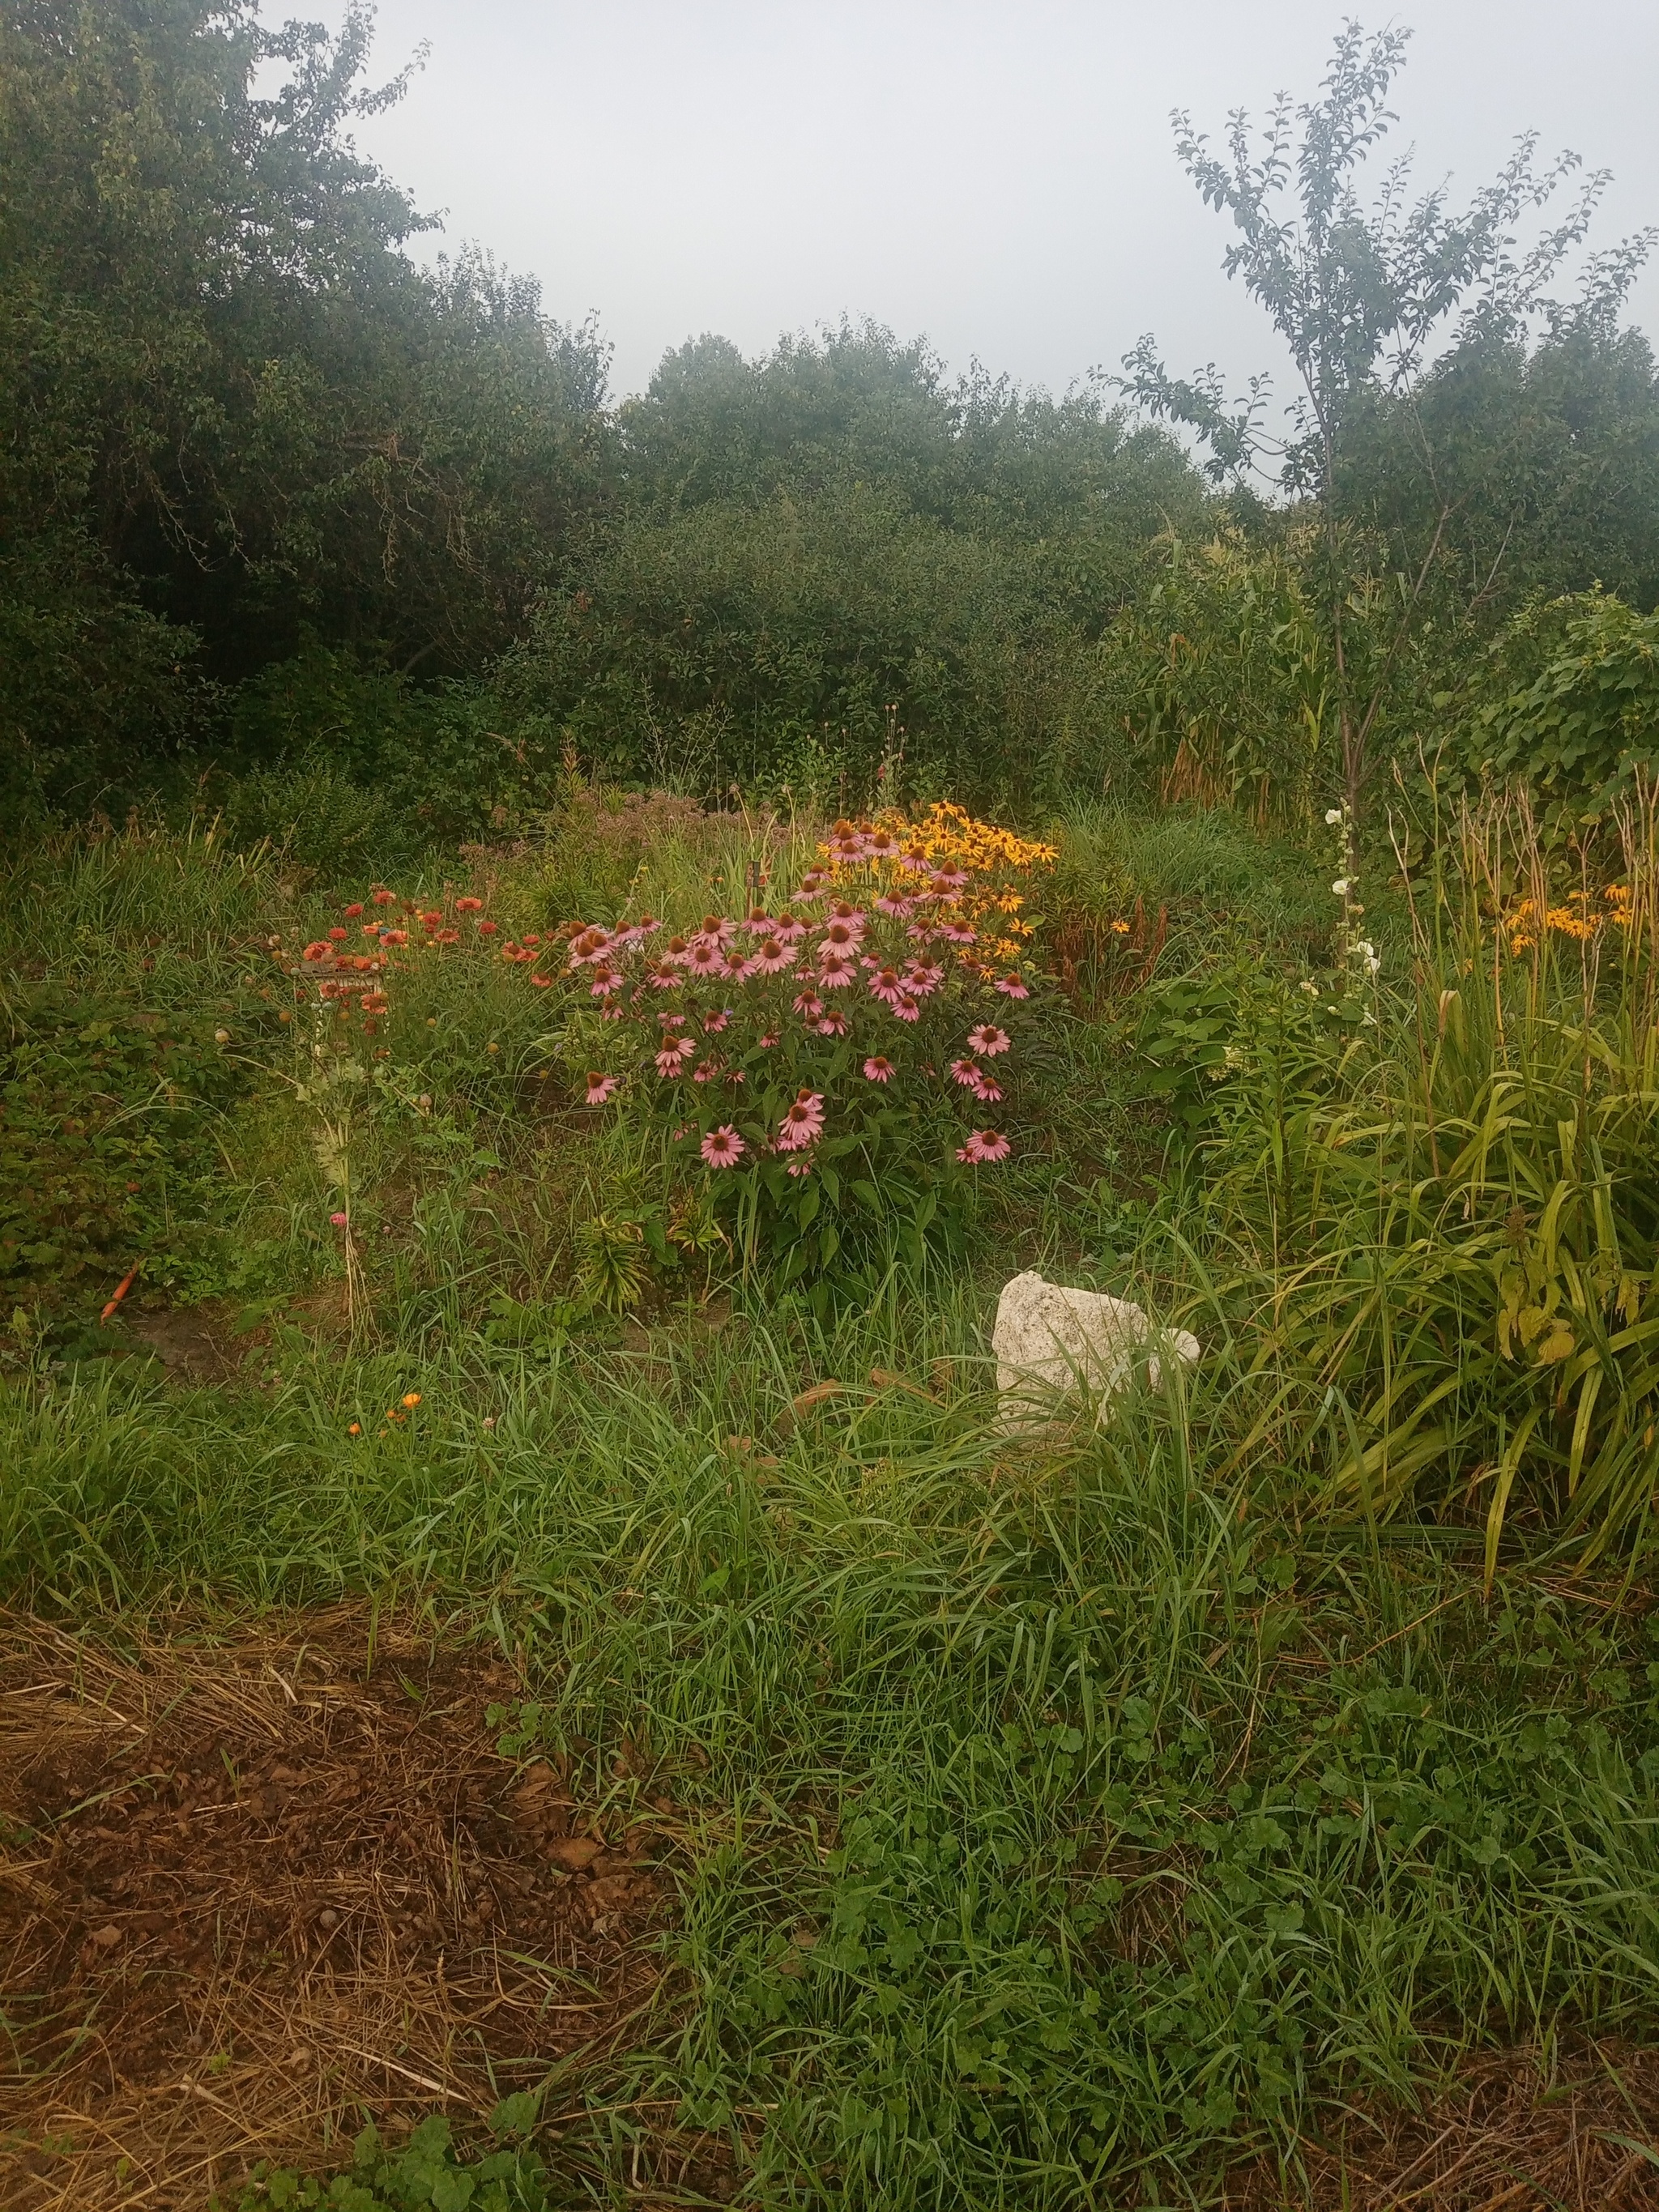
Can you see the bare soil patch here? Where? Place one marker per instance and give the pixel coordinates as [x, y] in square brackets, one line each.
[258, 1886]
[195, 1344]
[1576, 2131]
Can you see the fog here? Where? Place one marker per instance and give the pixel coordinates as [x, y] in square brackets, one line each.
[999, 179]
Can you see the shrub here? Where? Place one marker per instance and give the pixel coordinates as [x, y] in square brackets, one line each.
[1567, 704]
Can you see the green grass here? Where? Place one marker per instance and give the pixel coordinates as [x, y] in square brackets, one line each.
[1070, 1819]
[1131, 1831]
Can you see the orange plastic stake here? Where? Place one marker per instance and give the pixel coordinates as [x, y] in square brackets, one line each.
[121, 1290]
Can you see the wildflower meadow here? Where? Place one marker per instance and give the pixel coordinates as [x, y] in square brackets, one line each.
[829, 1193]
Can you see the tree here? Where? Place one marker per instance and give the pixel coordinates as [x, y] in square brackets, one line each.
[225, 389]
[1366, 299]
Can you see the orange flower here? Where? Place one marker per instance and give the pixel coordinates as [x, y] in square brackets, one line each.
[412, 1398]
[468, 905]
[355, 1430]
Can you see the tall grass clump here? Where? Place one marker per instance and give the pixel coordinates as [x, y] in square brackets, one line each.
[1435, 1200]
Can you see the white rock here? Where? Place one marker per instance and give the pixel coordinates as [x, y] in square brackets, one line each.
[1051, 1342]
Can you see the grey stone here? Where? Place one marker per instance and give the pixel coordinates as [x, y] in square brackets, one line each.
[1052, 1343]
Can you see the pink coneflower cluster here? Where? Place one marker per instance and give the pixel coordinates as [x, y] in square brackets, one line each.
[732, 978]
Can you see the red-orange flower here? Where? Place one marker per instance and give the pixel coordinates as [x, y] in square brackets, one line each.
[468, 905]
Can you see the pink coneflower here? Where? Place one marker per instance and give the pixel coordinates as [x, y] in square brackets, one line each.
[800, 1167]
[922, 932]
[588, 945]
[803, 1124]
[923, 976]
[988, 1039]
[718, 930]
[988, 1090]
[842, 937]
[771, 957]
[707, 1070]
[605, 981]
[957, 932]
[899, 908]
[1011, 987]
[613, 1013]
[671, 1021]
[662, 975]
[984, 1144]
[878, 1070]
[790, 930]
[809, 1006]
[949, 878]
[599, 1087]
[967, 1072]
[769, 1041]
[908, 1008]
[834, 1024]
[703, 957]
[671, 1060]
[760, 925]
[735, 1075]
[844, 910]
[913, 858]
[835, 970]
[714, 1023]
[723, 1147]
[883, 845]
[812, 886]
[885, 985]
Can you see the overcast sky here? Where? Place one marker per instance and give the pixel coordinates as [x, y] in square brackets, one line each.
[998, 178]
